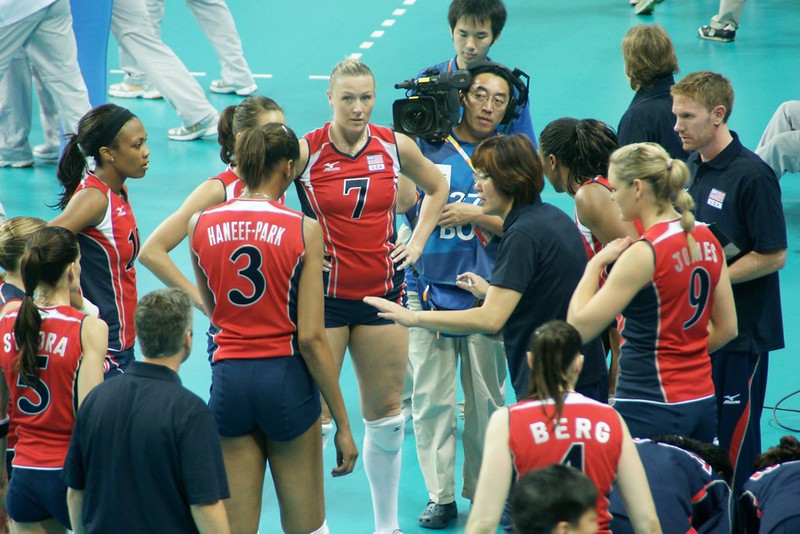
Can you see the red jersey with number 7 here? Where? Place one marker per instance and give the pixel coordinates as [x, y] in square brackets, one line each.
[353, 198]
[44, 412]
[251, 252]
[588, 436]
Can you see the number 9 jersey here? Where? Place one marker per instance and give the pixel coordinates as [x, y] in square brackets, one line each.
[664, 350]
[251, 252]
[353, 198]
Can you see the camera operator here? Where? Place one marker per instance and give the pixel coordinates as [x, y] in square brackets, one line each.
[475, 26]
[461, 242]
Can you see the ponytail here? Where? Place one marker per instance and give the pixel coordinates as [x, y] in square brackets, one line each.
[554, 346]
[225, 136]
[48, 253]
[260, 150]
[28, 323]
[71, 170]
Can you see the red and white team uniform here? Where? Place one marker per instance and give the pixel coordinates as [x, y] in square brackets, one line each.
[587, 436]
[232, 184]
[592, 244]
[353, 198]
[108, 277]
[252, 251]
[45, 413]
[665, 327]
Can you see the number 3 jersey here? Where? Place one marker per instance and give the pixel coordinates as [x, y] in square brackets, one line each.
[664, 329]
[588, 436]
[251, 252]
[44, 412]
[353, 198]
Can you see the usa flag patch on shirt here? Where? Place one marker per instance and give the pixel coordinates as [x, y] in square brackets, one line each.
[375, 162]
[716, 198]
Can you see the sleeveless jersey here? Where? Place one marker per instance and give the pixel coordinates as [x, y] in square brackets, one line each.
[108, 277]
[689, 495]
[588, 437]
[773, 493]
[592, 244]
[664, 349]
[45, 413]
[353, 198]
[232, 184]
[251, 251]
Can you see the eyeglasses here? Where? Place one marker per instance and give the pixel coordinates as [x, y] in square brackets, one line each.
[498, 102]
[481, 177]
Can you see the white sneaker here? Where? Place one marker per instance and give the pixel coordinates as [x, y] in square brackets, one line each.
[17, 163]
[645, 7]
[132, 90]
[225, 88]
[204, 128]
[47, 152]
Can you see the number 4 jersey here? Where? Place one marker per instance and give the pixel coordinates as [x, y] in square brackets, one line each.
[353, 198]
[44, 412]
[252, 251]
[665, 327]
[588, 436]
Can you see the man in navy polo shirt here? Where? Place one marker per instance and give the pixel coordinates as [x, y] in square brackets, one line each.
[145, 454]
[738, 193]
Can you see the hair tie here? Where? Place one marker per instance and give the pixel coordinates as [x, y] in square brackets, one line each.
[669, 164]
[29, 293]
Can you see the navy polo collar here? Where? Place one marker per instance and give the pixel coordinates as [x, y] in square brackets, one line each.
[516, 212]
[152, 370]
[660, 86]
[724, 158]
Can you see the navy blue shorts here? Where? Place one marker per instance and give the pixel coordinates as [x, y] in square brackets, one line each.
[276, 395]
[695, 419]
[346, 312]
[35, 495]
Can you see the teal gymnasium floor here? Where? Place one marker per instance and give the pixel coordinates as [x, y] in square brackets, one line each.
[571, 49]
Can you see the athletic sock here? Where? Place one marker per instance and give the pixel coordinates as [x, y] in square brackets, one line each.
[383, 440]
[323, 529]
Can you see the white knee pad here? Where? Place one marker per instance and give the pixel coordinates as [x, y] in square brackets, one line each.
[385, 435]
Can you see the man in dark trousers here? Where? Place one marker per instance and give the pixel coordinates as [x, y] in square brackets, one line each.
[145, 454]
[738, 193]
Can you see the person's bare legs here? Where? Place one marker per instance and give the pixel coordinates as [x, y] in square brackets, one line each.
[245, 463]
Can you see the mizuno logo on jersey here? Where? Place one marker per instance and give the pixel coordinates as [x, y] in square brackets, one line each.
[731, 399]
[375, 162]
[716, 198]
[121, 211]
[331, 166]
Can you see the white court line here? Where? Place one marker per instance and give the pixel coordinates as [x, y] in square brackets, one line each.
[398, 12]
[355, 55]
[377, 34]
[195, 74]
[262, 75]
[319, 77]
[388, 23]
[366, 45]
[409, 2]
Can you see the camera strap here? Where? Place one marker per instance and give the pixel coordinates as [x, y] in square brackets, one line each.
[482, 239]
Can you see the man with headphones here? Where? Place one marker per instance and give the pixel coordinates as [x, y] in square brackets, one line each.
[475, 25]
[462, 242]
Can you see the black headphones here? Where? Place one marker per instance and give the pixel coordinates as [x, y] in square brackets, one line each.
[518, 81]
